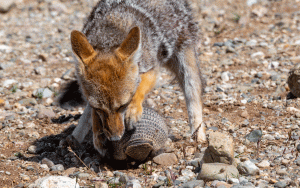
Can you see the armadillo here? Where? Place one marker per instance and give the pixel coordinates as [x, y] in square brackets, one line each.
[150, 135]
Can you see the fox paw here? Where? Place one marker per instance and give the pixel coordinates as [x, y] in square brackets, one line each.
[199, 134]
[133, 114]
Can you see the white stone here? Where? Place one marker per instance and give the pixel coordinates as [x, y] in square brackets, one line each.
[5, 48]
[225, 76]
[56, 181]
[259, 55]
[8, 82]
[273, 65]
[251, 2]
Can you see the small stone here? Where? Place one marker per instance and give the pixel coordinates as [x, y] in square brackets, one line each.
[27, 102]
[222, 184]
[32, 149]
[233, 180]
[6, 5]
[259, 55]
[134, 184]
[45, 167]
[43, 93]
[217, 171]
[254, 136]
[25, 177]
[83, 175]
[101, 185]
[45, 112]
[40, 71]
[248, 168]
[220, 148]
[263, 164]
[69, 171]
[280, 184]
[58, 167]
[56, 181]
[282, 172]
[245, 114]
[7, 83]
[225, 76]
[273, 65]
[166, 159]
[48, 162]
[193, 183]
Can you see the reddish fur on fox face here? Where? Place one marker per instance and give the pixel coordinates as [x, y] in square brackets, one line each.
[109, 80]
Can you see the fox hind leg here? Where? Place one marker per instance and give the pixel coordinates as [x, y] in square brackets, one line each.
[186, 68]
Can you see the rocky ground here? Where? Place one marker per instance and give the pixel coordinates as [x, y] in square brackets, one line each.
[246, 53]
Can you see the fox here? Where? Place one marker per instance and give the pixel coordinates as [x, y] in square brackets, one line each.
[120, 52]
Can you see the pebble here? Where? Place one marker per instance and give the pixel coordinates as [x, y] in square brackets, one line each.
[83, 175]
[24, 177]
[56, 181]
[280, 184]
[193, 183]
[264, 164]
[5, 5]
[166, 159]
[248, 168]
[48, 162]
[217, 171]
[32, 149]
[58, 167]
[7, 83]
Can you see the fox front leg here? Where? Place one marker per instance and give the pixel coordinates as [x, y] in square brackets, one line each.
[135, 108]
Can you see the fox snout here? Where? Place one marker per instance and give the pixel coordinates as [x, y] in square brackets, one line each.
[114, 127]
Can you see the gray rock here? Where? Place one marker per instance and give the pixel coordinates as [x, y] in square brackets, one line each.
[280, 184]
[48, 162]
[56, 181]
[58, 167]
[220, 149]
[193, 183]
[248, 168]
[166, 159]
[254, 136]
[217, 171]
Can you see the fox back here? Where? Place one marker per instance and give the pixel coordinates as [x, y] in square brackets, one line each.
[166, 26]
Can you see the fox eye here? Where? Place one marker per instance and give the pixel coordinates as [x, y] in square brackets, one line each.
[123, 107]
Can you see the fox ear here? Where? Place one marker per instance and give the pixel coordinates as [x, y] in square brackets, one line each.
[81, 46]
[130, 44]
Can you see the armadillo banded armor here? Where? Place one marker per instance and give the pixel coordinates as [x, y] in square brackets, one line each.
[150, 134]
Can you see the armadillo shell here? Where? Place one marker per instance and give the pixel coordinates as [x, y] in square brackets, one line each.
[150, 134]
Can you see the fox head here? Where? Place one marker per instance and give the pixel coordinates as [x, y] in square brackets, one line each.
[109, 80]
